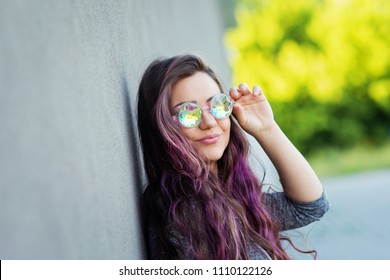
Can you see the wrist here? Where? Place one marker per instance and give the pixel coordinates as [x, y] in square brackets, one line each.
[269, 131]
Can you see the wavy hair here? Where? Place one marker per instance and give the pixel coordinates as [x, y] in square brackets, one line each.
[219, 216]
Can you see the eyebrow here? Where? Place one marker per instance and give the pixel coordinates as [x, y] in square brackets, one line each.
[193, 101]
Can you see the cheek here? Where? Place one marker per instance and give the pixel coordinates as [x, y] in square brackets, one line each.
[189, 133]
[225, 125]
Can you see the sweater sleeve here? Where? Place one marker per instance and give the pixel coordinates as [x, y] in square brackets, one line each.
[293, 214]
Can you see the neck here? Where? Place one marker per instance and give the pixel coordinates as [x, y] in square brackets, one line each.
[214, 168]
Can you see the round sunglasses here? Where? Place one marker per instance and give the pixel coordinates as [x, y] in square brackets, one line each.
[190, 114]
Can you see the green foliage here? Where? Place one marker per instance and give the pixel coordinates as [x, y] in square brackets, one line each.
[332, 162]
[324, 66]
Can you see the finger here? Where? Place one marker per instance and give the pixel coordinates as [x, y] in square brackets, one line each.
[233, 93]
[256, 90]
[238, 111]
[244, 89]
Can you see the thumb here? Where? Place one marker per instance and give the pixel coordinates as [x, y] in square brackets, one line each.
[240, 115]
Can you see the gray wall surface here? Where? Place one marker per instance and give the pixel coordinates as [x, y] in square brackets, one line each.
[70, 171]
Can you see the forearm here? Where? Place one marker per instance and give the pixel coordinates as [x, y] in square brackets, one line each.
[298, 179]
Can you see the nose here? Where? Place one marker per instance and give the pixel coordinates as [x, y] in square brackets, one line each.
[208, 120]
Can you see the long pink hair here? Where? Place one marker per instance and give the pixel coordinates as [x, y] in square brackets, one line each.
[218, 216]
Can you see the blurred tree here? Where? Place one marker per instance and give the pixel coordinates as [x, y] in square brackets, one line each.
[324, 65]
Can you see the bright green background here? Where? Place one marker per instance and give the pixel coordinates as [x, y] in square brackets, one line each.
[324, 66]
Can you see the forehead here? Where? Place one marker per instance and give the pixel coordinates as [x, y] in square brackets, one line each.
[198, 87]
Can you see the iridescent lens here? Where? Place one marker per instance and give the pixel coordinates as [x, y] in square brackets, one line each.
[221, 106]
[190, 114]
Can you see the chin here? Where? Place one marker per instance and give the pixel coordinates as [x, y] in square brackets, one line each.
[213, 156]
[212, 153]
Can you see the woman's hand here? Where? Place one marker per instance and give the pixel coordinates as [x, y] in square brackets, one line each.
[255, 116]
[252, 110]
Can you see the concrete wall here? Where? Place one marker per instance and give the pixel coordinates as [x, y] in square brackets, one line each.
[70, 173]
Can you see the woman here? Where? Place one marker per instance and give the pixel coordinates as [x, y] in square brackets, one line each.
[202, 200]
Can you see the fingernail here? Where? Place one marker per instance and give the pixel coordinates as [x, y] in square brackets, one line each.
[243, 86]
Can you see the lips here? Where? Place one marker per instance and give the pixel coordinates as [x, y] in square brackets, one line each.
[210, 139]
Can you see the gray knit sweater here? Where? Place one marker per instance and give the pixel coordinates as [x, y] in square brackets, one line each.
[291, 215]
